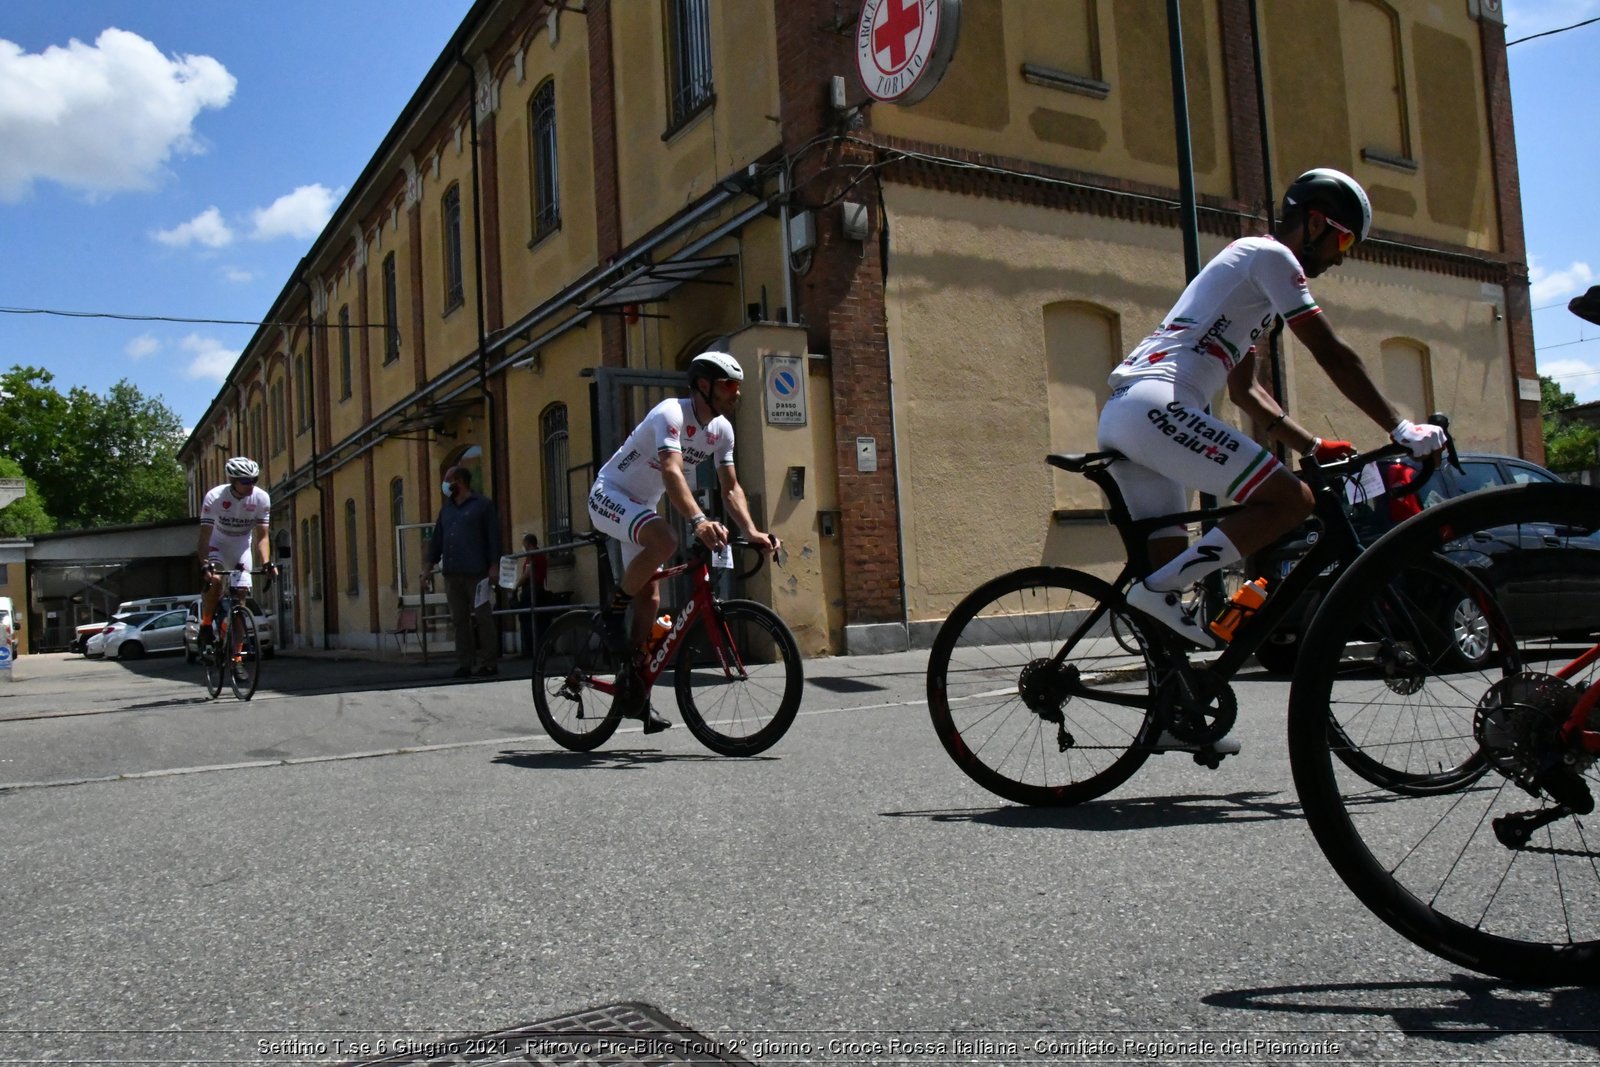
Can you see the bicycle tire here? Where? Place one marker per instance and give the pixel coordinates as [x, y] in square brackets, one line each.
[1423, 746]
[1016, 623]
[748, 674]
[1432, 865]
[244, 672]
[576, 649]
[212, 660]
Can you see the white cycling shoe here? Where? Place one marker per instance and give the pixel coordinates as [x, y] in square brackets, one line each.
[1222, 746]
[1167, 609]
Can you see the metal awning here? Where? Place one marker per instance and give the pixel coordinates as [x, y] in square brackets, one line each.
[431, 416]
[652, 282]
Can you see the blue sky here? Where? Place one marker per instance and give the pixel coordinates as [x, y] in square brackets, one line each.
[177, 157]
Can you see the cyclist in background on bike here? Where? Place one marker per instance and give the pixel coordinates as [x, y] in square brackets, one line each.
[677, 433]
[229, 514]
[1158, 412]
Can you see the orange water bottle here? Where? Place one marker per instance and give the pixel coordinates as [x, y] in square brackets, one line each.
[1251, 595]
[662, 626]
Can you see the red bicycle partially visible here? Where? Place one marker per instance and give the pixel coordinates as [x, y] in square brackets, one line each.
[736, 669]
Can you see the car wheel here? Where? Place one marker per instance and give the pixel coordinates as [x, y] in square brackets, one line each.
[1470, 640]
[1278, 656]
[130, 650]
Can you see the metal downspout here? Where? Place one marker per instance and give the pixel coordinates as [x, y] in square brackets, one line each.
[477, 273]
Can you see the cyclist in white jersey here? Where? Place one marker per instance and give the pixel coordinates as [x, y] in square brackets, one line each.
[229, 515]
[1158, 412]
[676, 434]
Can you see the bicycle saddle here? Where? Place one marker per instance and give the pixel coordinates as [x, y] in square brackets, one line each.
[1078, 462]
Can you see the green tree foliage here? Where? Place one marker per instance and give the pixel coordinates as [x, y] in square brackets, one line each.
[1569, 444]
[97, 460]
[25, 517]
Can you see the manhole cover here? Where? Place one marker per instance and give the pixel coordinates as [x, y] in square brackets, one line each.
[618, 1034]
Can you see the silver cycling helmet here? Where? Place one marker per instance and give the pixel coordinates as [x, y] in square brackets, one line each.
[242, 469]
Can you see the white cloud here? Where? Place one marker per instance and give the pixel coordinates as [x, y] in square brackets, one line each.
[1551, 286]
[103, 117]
[143, 346]
[209, 359]
[206, 228]
[238, 276]
[302, 213]
[1574, 374]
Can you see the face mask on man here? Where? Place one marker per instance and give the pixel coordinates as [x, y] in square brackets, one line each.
[447, 488]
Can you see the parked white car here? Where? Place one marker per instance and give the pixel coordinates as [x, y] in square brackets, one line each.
[264, 630]
[94, 645]
[145, 633]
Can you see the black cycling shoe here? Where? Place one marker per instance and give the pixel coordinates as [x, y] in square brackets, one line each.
[654, 721]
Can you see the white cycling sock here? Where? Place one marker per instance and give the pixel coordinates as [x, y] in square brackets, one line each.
[1211, 553]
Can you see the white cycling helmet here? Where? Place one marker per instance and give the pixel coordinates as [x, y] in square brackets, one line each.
[714, 366]
[242, 469]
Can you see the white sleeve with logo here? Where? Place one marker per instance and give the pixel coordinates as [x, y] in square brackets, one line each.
[725, 451]
[666, 425]
[1276, 272]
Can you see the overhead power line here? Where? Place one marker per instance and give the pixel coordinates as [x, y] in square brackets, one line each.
[168, 318]
[1547, 33]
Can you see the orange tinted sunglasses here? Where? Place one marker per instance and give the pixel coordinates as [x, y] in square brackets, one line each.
[1347, 239]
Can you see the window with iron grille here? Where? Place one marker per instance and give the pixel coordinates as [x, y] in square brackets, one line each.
[344, 352]
[450, 213]
[278, 423]
[689, 87]
[352, 551]
[302, 408]
[311, 553]
[542, 148]
[557, 511]
[397, 518]
[391, 310]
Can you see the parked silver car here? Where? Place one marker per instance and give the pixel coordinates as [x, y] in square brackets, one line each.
[264, 630]
[142, 633]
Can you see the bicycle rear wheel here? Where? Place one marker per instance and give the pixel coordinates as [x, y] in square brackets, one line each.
[1501, 872]
[739, 679]
[578, 650]
[1023, 728]
[244, 668]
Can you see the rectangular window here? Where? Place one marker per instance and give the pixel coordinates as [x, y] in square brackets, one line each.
[450, 213]
[542, 148]
[558, 516]
[278, 424]
[391, 310]
[5, 575]
[344, 352]
[397, 518]
[352, 551]
[302, 408]
[311, 553]
[689, 88]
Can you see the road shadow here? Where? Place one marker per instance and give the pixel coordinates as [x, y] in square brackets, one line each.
[1130, 813]
[1470, 1009]
[617, 759]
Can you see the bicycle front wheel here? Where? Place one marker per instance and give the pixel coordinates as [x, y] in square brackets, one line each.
[244, 666]
[739, 679]
[578, 651]
[1498, 870]
[1023, 726]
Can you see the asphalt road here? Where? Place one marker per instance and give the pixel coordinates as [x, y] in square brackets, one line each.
[367, 851]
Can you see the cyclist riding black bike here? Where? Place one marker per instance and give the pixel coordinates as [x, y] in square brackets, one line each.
[1158, 413]
[230, 515]
[676, 434]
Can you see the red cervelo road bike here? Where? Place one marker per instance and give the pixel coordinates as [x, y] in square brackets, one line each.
[736, 668]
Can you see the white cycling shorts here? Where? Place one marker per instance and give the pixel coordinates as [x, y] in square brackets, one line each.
[620, 517]
[230, 552]
[1173, 446]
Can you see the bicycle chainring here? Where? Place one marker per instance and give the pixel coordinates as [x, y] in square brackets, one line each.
[1199, 709]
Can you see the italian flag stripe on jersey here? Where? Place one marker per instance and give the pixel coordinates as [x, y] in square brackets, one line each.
[638, 522]
[1259, 470]
[1302, 313]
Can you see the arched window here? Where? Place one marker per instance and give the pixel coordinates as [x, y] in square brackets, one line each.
[450, 214]
[397, 518]
[302, 406]
[352, 551]
[344, 352]
[391, 309]
[553, 449]
[542, 160]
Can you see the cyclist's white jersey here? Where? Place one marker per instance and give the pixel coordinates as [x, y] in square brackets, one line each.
[1216, 321]
[230, 516]
[635, 469]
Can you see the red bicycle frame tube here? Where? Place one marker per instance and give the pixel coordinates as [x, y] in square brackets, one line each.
[1574, 729]
[701, 610]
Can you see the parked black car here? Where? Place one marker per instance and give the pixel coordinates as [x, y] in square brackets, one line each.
[1546, 578]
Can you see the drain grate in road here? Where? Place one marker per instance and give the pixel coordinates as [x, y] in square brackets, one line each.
[621, 1035]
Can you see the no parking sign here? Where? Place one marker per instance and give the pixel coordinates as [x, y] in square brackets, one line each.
[786, 390]
[5, 656]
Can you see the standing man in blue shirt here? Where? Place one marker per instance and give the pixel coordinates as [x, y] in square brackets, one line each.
[466, 550]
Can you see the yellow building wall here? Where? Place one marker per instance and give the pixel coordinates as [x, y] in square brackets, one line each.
[984, 104]
[658, 177]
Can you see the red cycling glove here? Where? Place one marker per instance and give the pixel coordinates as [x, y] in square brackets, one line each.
[1330, 450]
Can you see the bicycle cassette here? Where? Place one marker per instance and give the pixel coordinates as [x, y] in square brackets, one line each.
[1518, 723]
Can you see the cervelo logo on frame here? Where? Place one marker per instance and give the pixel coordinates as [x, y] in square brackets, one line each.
[903, 47]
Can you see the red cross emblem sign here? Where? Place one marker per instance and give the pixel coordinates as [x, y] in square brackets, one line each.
[903, 47]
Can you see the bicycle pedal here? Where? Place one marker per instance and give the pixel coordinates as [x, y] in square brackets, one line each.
[1209, 759]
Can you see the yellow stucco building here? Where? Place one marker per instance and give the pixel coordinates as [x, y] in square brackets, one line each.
[575, 202]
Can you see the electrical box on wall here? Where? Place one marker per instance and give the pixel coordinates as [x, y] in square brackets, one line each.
[802, 231]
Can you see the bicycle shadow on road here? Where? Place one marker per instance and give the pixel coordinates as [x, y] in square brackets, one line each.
[1470, 1009]
[619, 759]
[1131, 813]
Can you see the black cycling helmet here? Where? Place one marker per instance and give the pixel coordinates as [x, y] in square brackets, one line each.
[1335, 194]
